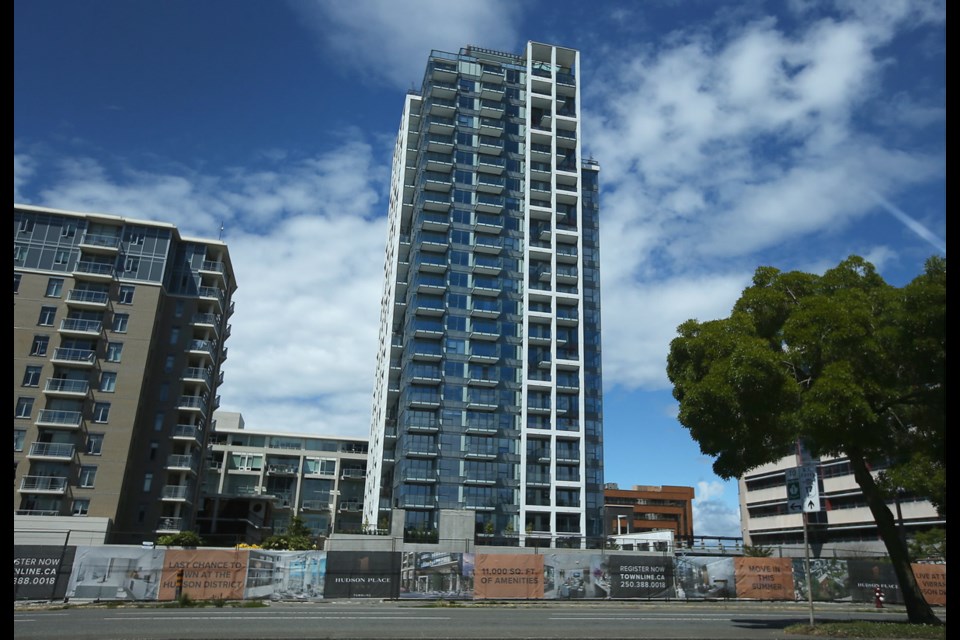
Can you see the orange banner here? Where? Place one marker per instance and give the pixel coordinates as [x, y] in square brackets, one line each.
[932, 579]
[764, 578]
[508, 576]
[206, 574]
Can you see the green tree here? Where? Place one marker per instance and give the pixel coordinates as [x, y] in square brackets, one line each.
[844, 363]
[182, 539]
[297, 538]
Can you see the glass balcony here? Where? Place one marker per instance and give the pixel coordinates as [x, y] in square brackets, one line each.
[94, 270]
[100, 243]
[176, 492]
[52, 450]
[43, 484]
[80, 326]
[66, 387]
[87, 298]
[62, 419]
[170, 525]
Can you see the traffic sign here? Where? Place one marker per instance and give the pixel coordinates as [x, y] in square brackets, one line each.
[803, 492]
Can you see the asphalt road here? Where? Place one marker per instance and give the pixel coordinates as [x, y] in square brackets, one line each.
[352, 619]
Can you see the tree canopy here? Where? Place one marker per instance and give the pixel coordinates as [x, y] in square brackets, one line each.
[298, 537]
[844, 363]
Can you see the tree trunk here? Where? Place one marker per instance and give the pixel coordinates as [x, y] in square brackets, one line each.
[918, 610]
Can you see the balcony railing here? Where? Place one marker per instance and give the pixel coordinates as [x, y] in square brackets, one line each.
[170, 524]
[67, 385]
[95, 268]
[180, 461]
[75, 355]
[88, 297]
[45, 484]
[61, 450]
[176, 492]
[63, 418]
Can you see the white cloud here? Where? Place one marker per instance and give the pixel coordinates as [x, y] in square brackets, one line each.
[711, 515]
[306, 240]
[718, 150]
[388, 40]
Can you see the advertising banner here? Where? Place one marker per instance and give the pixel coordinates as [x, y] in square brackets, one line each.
[436, 575]
[508, 576]
[932, 579]
[362, 574]
[285, 575]
[641, 576]
[865, 575]
[203, 574]
[116, 573]
[574, 575]
[41, 572]
[829, 579]
[764, 578]
[704, 577]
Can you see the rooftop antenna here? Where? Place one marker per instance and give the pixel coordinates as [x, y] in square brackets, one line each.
[221, 231]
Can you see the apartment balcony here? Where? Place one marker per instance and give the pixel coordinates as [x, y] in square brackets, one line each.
[81, 328]
[38, 512]
[315, 505]
[440, 124]
[432, 263]
[60, 419]
[177, 493]
[491, 127]
[538, 479]
[212, 293]
[481, 453]
[66, 388]
[440, 107]
[567, 274]
[491, 91]
[193, 403]
[568, 316]
[441, 162]
[491, 184]
[205, 348]
[187, 432]
[566, 253]
[491, 74]
[435, 221]
[491, 107]
[87, 299]
[198, 374]
[103, 244]
[487, 264]
[352, 473]
[541, 151]
[438, 143]
[170, 525]
[433, 202]
[422, 427]
[350, 506]
[486, 244]
[484, 308]
[55, 451]
[206, 320]
[215, 269]
[276, 469]
[50, 485]
[177, 462]
[491, 164]
[91, 271]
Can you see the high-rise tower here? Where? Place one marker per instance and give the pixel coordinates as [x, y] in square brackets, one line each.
[488, 388]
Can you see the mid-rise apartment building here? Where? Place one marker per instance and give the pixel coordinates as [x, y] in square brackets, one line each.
[118, 343]
[256, 481]
[488, 380]
[844, 521]
[646, 508]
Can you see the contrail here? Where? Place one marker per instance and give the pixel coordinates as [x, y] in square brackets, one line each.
[910, 223]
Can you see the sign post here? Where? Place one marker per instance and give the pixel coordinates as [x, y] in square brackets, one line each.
[803, 497]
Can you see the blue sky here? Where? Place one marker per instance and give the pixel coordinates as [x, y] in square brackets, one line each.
[729, 134]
